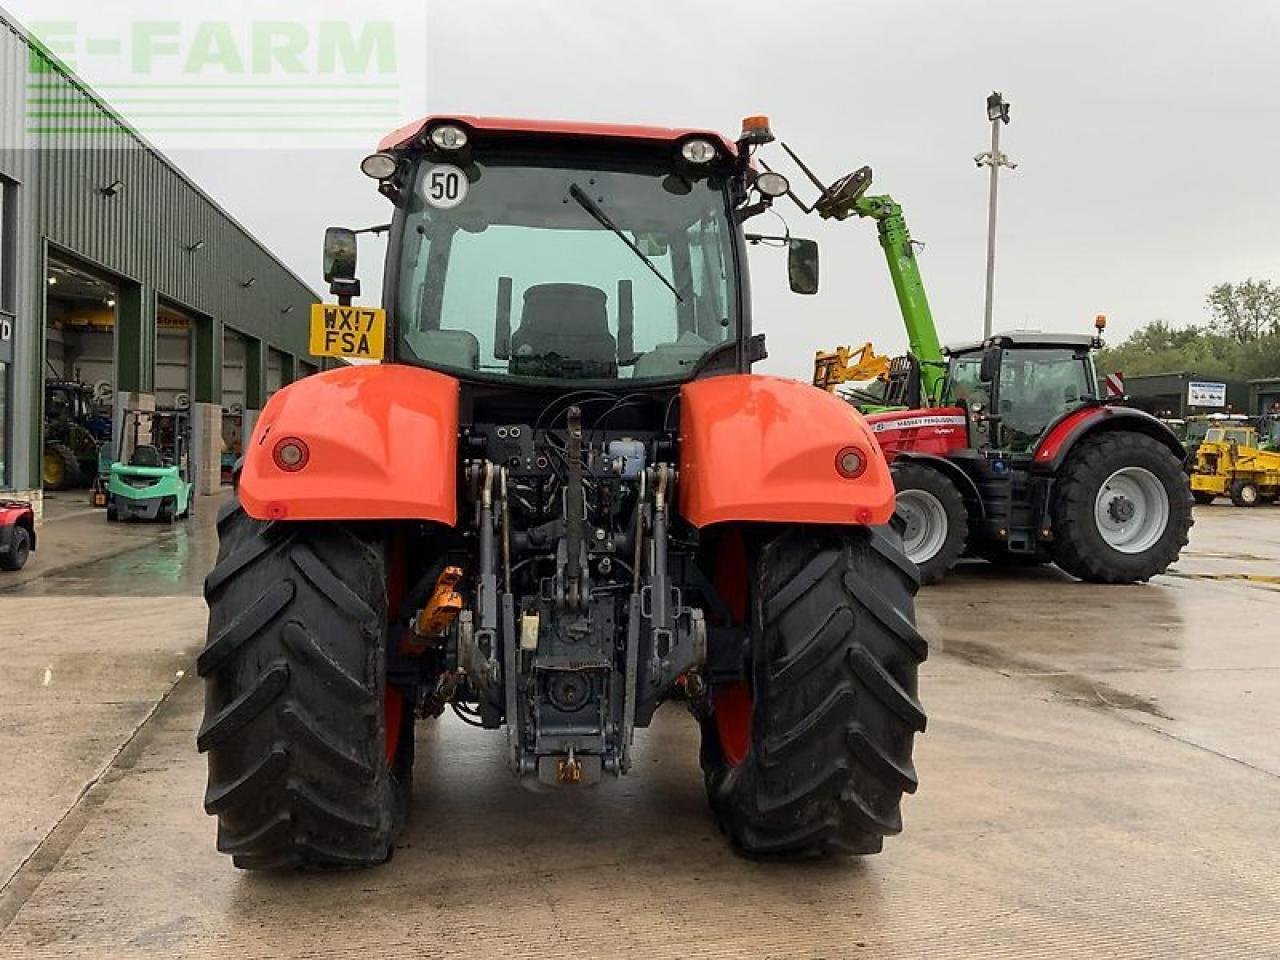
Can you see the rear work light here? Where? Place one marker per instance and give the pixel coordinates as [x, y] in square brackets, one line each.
[851, 463]
[290, 454]
[772, 184]
[379, 166]
[699, 151]
[449, 137]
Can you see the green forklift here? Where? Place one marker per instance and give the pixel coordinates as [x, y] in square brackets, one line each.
[156, 481]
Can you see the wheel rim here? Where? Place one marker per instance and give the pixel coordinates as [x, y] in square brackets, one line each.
[927, 524]
[54, 472]
[1131, 510]
[1249, 494]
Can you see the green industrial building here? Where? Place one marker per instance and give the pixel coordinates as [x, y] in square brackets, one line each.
[1173, 395]
[118, 272]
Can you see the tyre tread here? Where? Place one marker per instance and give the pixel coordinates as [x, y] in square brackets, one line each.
[1076, 548]
[835, 662]
[293, 729]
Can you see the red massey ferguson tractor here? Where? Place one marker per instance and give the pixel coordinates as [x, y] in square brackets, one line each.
[1024, 463]
[561, 500]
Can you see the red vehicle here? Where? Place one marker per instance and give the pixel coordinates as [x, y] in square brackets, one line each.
[1023, 462]
[17, 534]
[560, 500]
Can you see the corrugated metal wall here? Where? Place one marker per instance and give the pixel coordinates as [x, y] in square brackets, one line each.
[18, 277]
[142, 234]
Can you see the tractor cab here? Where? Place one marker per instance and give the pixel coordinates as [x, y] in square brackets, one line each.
[1199, 427]
[592, 256]
[67, 400]
[1238, 434]
[1269, 431]
[1016, 385]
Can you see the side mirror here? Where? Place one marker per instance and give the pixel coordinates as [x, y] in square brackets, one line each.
[802, 265]
[339, 254]
[990, 368]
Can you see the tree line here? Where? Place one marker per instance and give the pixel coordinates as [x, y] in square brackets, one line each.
[1240, 341]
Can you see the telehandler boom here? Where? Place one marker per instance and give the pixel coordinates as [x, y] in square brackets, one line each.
[847, 198]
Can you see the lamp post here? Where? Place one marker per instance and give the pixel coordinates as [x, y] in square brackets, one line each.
[998, 114]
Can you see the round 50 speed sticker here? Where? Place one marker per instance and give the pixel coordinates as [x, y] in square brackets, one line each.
[445, 186]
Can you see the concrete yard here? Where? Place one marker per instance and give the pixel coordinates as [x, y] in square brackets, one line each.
[1100, 778]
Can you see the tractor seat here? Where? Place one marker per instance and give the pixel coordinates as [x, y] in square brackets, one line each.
[146, 455]
[567, 319]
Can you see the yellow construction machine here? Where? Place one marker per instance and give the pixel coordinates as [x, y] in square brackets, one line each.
[846, 365]
[1230, 463]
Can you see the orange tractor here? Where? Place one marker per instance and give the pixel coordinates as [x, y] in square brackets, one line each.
[561, 499]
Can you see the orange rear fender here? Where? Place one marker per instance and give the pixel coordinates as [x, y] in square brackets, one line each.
[380, 442]
[756, 448]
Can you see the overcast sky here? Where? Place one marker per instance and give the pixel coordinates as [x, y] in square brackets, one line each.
[1145, 134]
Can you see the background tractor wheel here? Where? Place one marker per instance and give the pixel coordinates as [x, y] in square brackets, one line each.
[937, 521]
[59, 470]
[19, 550]
[1203, 497]
[310, 753]
[1121, 509]
[1244, 493]
[812, 755]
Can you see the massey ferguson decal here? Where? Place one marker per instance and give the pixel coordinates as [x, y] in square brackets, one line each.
[911, 423]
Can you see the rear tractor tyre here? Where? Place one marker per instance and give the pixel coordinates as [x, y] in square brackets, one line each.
[937, 521]
[1121, 509]
[310, 753]
[1244, 493]
[1203, 497]
[813, 752]
[60, 470]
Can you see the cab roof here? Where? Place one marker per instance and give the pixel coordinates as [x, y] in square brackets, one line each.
[410, 133]
[1024, 338]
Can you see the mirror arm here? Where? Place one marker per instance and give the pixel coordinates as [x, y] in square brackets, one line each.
[743, 214]
[791, 193]
[344, 290]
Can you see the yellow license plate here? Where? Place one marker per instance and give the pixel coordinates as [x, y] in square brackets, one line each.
[352, 332]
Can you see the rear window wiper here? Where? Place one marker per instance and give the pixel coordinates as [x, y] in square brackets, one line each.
[602, 218]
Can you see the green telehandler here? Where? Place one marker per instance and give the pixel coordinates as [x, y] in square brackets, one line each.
[916, 378]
